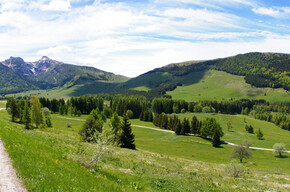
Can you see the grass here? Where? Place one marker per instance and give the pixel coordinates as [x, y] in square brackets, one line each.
[44, 160]
[218, 85]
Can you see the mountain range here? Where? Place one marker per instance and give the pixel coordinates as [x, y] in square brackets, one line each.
[258, 69]
[18, 75]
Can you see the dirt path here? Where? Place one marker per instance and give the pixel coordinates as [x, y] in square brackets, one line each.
[8, 179]
[2, 109]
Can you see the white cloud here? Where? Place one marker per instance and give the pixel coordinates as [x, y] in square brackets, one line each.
[273, 11]
[128, 40]
[57, 5]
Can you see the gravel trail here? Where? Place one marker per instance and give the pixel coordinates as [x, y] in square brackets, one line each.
[8, 178]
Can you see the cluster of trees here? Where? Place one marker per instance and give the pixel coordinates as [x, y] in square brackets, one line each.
[75, 105]
[280, 117]
[146, 115]
[208, 129]
[136, 104]
[169, 106]
[120, 130]
[29, 112]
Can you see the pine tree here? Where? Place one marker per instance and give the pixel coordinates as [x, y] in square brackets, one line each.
[229, 125]
[13, 106]
[260, 134]
[194, 129]
[26, 116]
[21, 105]
[185, 127]
[216, 142]
[127, 136]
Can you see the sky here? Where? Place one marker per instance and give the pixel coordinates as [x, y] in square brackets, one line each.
[132, 37]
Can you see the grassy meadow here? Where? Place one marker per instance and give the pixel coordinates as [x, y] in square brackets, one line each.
[219, 85]
[48, 160]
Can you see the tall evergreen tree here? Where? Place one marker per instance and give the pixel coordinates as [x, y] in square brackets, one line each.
[13, 106]
[185, 127]
[127, 136]
[194, 129]
[216, 142]
[26, 116]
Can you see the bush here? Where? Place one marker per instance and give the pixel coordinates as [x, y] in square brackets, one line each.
[68, 125]
[235, 169]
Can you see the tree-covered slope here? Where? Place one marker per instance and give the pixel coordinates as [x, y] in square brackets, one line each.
[11, 82]
[259, 69]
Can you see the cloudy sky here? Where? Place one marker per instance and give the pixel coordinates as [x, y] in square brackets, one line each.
[132, 37]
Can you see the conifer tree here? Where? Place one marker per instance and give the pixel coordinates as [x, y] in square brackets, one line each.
[194, 129]
[26, 116]
[216, 142]
[185, 127]
[127, 136]
[260, 134]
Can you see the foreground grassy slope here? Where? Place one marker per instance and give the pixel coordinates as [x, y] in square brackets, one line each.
[45, 160]
[218, 85]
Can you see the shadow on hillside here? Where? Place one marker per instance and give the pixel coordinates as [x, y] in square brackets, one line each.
[191, 78]
[93, 88]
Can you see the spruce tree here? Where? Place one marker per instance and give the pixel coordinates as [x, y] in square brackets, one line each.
[260, 134]
[216, 142]
[194, 125]
[127, 136]
[185, 127]
[26, 118]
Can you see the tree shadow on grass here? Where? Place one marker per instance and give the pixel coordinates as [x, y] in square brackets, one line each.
[282, 157]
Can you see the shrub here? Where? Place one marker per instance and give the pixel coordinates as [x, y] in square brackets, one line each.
[235, 169]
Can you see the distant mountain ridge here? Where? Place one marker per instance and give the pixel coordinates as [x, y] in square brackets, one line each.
[259, 70]
[47, 73]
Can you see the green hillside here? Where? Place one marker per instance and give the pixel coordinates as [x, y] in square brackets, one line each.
[47, 160]
[218, 85]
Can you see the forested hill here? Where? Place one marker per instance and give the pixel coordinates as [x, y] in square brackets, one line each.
[260, 70]
[18, 75]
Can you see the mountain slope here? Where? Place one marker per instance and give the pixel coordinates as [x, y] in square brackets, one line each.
[259, 69]
[47, 73]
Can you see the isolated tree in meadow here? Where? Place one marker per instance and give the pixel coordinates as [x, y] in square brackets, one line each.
[229, 125]
[36, 111]
[279, 148]
[260, 134]
[26, 118]
[242, 151]
[127, 136]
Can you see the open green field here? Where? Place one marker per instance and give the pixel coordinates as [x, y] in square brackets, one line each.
[219, 85]
[45, 160]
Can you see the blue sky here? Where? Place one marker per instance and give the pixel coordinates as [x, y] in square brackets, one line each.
[131, 37]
